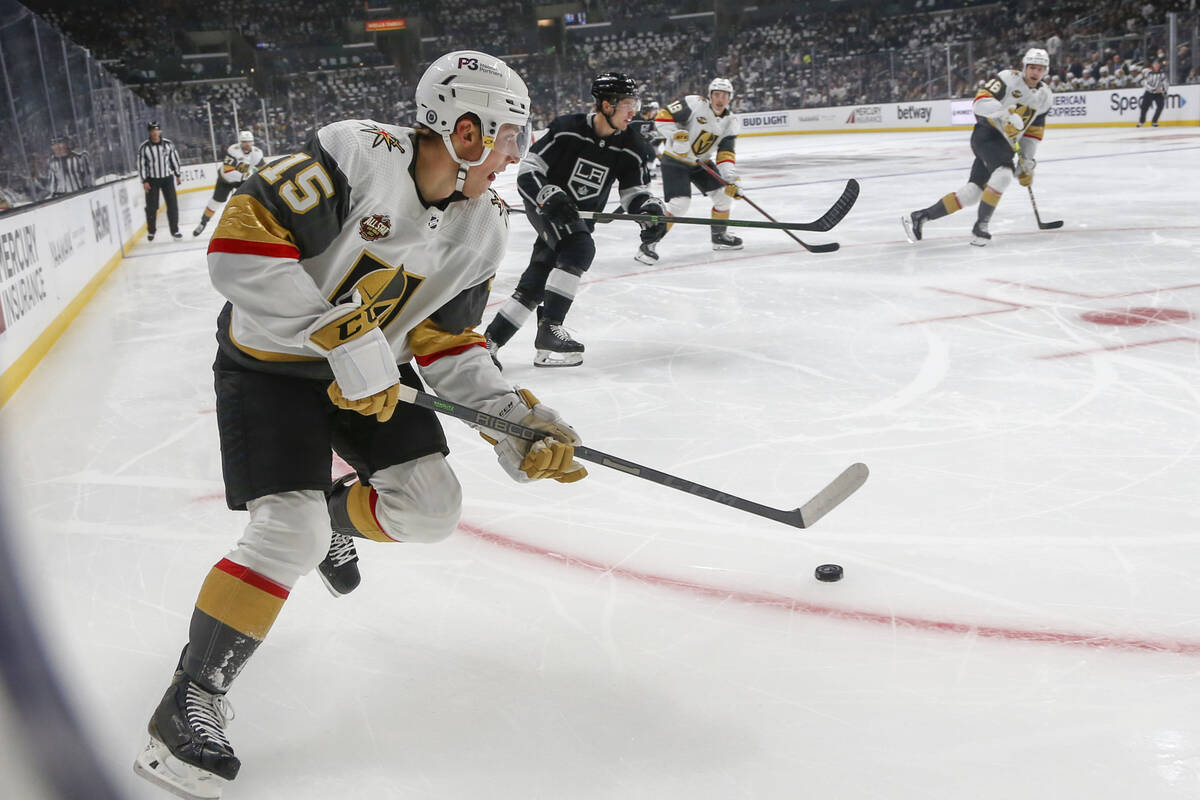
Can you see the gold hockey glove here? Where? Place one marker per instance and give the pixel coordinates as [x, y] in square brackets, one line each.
[525, 460]
[381, 404]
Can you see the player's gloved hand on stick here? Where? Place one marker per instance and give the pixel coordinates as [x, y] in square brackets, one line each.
[729, 174]
[557, 206]
[651, 231]
[525, 460]
[1013, 124]
[679, 143]
[365, 376]
[1025, 171]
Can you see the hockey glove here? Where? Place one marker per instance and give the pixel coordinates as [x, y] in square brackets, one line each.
[364, 367]
[729, 174]
[556, 206]
[1012, 124]
[525, 460]
[651, 231]
[1025, 171]
[679, 143]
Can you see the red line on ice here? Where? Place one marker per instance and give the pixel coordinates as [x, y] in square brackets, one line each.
[793, 605]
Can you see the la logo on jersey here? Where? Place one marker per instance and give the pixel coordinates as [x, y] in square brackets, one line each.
[588, 179]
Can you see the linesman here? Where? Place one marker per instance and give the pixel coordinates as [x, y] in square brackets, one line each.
[70, 170]
[158, 167]
[1154, 81]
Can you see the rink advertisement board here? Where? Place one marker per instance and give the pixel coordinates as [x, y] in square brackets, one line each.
[52, 257]
[1076, 109]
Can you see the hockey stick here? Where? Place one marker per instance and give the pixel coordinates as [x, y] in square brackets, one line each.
[805, 516]
[812, 248]
[1045, 226]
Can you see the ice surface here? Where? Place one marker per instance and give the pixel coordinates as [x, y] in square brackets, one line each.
[1020, 615]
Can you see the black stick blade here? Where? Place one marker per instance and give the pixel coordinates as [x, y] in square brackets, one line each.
[839, 209]
[829, 498]
[1049, 226]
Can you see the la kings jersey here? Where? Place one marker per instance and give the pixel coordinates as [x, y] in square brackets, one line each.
[1007, 93]
[343, 221]
[571, 155]
[237, 165]
[708, 134]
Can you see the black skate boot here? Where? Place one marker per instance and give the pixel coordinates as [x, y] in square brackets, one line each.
[980, 232]
[200, 228]
[647, 254]
[913, 224]
[555, 347]
[188, 753]
[339, 570]
[725, 241]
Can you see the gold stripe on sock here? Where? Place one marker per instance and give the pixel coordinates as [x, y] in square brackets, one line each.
[360, 507]
[950, 203]
[990, 197]
[233, 600]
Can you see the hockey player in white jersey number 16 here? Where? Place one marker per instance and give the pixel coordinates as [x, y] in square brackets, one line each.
[241, 161]
[698, 129]
[1010, 115]
[372, 248]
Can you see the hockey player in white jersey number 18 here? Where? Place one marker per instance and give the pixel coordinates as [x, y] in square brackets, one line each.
[241, 161]
[697, 129]
[1010, 113]
[371, 248]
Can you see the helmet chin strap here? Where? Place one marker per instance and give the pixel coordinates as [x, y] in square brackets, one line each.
[460, 179]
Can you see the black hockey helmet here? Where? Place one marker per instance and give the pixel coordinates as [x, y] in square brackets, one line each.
[612, 86]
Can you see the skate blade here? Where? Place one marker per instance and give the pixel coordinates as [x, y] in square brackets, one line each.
[728, 246]
[906, 221]
[977, 242]
[156, 764]
[546, 358]
[645, 259]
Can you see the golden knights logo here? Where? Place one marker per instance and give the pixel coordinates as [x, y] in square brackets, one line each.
[374, 227]
[382, 137]
[382, 291]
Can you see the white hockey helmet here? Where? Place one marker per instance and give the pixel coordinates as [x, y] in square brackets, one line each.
[470, 82]
[245, 136]
[721, 85]
[1036, 55]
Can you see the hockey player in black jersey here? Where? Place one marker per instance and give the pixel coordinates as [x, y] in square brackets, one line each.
[652, 140]
[572, 168]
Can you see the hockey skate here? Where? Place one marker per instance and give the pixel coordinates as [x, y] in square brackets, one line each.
[339, 570]
[725, 241]
[980, 232]
[555, 347]
[188, 753]
[200, 228]
[913, 224]
[493, 351]
[646, 253]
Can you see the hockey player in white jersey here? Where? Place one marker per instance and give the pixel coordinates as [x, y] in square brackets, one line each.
[241, 161]
[698, 129]
[1010, 113]
[372, 248]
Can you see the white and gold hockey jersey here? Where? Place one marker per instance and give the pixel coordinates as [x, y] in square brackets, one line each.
[708, 136]
[343, 221]
[237, 165]
[1007, 93]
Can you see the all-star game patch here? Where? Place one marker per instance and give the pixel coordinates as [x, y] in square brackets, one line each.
[375, 226]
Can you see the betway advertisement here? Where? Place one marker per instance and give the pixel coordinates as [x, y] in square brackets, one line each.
[1079, 109]
[845, 119]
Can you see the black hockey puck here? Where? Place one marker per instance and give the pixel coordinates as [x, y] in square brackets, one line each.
[829, 572]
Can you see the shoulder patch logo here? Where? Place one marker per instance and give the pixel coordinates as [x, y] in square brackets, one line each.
[1016, 93]
[374, 227]
[702, 120]
[382, 137]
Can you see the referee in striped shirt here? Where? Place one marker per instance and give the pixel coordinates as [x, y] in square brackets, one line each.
[70, 170]
[1154, 81]
[158, 166]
